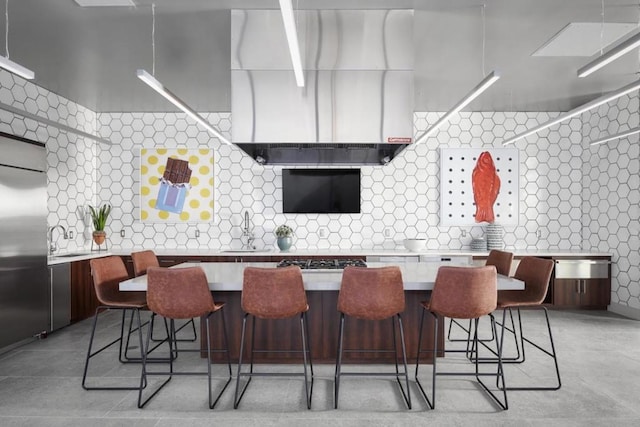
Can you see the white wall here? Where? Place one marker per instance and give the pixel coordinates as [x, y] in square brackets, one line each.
[556, 166]
[611, 193]
[70, 159]
[402, 197]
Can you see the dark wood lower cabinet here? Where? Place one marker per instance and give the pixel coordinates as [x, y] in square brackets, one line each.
[83, 296]
[324, 320]
[582, 293]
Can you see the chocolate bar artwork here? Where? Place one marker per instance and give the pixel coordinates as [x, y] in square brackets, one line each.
[174, 186]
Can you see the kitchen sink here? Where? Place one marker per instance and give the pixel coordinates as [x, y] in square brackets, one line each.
[228, 251]
[71, 255]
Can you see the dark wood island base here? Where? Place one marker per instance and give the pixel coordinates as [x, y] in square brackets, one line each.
[323, 320]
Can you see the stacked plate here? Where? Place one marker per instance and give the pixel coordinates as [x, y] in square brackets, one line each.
[495, 236]
[479, 245]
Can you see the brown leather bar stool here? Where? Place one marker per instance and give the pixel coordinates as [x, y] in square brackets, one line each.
[107, 273]
[462, 293]
[274, 293]
[372, 294]
[142, 260]
[536, 274]
[182, 293]
[502, 261]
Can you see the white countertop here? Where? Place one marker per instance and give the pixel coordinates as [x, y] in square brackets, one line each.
[227, 276]
[86, 254]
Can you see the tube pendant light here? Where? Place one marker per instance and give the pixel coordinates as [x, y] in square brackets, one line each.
[292, 40]
[5, 62]
[616, 136]
[577, 111]
[167, 94]
[490, 79]
[607, 58]
[154, 84]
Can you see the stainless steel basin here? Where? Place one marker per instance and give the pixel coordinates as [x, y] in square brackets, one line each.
[70, 255]
[230, 251]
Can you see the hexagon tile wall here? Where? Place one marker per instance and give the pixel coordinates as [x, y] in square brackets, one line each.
[564, 183]
[70, 158]
[402, 197]
[611, 193]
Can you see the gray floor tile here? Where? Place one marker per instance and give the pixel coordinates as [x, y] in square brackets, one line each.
[599, 357]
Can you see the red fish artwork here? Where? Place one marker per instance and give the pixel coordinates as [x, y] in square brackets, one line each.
[486, 186]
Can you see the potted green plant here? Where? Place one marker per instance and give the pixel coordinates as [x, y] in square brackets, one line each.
[284, 233]
[99, 217]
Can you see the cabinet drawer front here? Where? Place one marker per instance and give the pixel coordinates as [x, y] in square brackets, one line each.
[582, 269]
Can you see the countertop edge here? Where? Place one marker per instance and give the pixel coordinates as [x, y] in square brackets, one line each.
[61, 258]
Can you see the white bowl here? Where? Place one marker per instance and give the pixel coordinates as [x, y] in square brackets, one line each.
[415, 245]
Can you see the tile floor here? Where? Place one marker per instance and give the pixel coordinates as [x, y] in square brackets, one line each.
[599, 357]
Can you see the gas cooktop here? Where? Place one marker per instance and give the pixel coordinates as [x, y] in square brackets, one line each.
[322, 264]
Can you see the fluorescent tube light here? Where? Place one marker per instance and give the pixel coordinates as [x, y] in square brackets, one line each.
[15, 68]
[46, 121]
[616, 136]
[577, 111]
[490, 79]
[292, 39]
[615, 53]
[159, 87]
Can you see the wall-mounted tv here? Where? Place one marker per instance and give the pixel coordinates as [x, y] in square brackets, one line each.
[321, 190]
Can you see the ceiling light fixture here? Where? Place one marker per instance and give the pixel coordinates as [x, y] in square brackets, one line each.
[292, 39]
[159, 87]
[490, 79]
[48, 122]
[615, 53]
[616, 136]
[577, 111]
[154, 84]
[5, 62]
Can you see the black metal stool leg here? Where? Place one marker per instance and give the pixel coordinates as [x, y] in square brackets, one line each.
[338, 362]
[238, 394]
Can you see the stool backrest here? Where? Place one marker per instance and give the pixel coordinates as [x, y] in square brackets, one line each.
[179, 293]
[465, 292]
[371, 293]
[142, 261]
[107, 273]
[536, 274]
[273, 293]
[501, 260]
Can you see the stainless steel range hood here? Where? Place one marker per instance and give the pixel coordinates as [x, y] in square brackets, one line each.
[357, 104]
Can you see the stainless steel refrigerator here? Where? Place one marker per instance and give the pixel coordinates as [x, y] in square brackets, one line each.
[24, 285]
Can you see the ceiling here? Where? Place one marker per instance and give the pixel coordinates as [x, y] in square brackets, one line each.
[90, 55]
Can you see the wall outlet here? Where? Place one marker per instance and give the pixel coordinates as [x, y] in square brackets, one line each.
[322, 232]
[387, 232]
[70, 234]
[123, 234]
[539, 234]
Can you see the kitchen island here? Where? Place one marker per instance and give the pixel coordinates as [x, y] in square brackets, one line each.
[225, 281]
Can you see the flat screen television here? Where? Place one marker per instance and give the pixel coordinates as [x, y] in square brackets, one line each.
[321, 190]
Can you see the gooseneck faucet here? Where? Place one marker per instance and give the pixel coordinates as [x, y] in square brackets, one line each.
[247, 234]
[53, 245]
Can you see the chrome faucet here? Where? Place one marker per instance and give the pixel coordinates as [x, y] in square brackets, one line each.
[53, 245]
[247, 234]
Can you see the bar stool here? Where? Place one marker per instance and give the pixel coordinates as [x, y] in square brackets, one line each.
[536, 274]
[372, 294]
[107, 273]
[142, 260]
[182, 293]
[462, 293]
[274, 293]
[502, 261]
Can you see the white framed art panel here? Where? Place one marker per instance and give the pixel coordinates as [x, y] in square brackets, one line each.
[457, 206]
